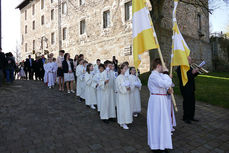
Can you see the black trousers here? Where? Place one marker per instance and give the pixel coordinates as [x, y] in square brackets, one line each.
[188, 105]
[31, 73]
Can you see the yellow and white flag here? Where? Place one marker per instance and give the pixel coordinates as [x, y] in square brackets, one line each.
[144, 36]
[180, 50]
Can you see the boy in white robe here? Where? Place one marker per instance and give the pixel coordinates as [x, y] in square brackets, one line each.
[158, 122]
[90, 90]
[50, 68]
[124, 112]
[98, 80]
[107, 99]
[55, 70]
[135, 85]
[79, 74]
[96, 66]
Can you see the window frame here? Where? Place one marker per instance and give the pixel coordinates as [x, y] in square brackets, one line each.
[106, 19]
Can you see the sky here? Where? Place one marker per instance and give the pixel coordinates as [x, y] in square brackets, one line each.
[11, 22]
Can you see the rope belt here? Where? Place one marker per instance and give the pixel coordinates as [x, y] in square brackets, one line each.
[159, 94]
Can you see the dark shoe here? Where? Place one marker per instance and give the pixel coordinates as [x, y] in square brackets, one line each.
[105, 121]
[195, 120]
[187, 121]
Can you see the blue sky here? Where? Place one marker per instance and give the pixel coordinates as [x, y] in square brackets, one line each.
[11, 22]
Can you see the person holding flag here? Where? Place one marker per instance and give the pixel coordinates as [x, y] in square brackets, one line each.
[181, 57]
[144, 39]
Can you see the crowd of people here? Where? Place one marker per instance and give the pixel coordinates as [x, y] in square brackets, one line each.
[114, 91]
[110, 88]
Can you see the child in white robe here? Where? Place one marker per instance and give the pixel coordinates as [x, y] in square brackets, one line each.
[158, 122]
[111, 89]
[49, 68]
[107, 99]
[98, 79]
[82, 80]
[46, 72]
[124, 112]
[79, 74]
[135, 99]
[55, 70]
[90, 90]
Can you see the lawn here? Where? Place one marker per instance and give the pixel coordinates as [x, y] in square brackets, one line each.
[212, 88]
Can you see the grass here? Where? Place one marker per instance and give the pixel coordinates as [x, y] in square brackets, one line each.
[212, 88]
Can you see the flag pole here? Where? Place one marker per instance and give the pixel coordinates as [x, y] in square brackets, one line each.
[163, 64]
[171, 72]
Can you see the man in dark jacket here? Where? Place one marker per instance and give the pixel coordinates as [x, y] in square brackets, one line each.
[2, 65]
[41, 65]
[37, 71]
[10, 67]
[188, 93]
[30, 67]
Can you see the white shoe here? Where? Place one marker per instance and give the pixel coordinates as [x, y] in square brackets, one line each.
[50, 87]
[124, 126]
[92, 107]
[135, 115]
[69, 92]
[72, 91]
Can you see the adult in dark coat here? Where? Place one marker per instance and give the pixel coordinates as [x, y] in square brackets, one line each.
[30, 67]
[41, 63]
[2, 65]
[188, 93]
[10, 66]
[37, 71]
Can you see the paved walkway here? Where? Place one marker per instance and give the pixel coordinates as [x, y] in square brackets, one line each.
[35, 119]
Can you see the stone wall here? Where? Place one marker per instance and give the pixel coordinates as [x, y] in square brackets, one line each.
[115, 40]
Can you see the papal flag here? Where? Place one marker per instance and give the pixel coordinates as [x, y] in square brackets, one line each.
[144, 36]
[180, 50]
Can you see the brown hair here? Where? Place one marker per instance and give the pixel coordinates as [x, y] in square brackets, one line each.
[156, 62]
[88, 68]
[121, 67]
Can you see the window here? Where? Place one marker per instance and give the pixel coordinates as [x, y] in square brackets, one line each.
[33, 9]
[25, 47]
[82, 27]
[64, 33]
[25, 14]
[26, 29]
[52, 38]
[34, 43]
[42, 4]
[106, 19]
[199, 21]
[42, 42]
[33, 25]
[42, 20]
[64, 8]
[52, 14]
[81, 2]
[128, 11]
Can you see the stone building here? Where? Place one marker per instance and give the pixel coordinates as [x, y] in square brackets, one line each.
[103, 28]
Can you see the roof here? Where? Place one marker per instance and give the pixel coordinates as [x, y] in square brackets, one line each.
[23, 4]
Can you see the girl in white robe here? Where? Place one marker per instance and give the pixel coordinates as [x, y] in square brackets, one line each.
[90, 90]
[158, 122]
[50, 68]
[82, 80]
[79, 74]
[135, 99]
[98, 79]
[124, 112]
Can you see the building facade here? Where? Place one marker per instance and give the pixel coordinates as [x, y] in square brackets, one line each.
[103, 28]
